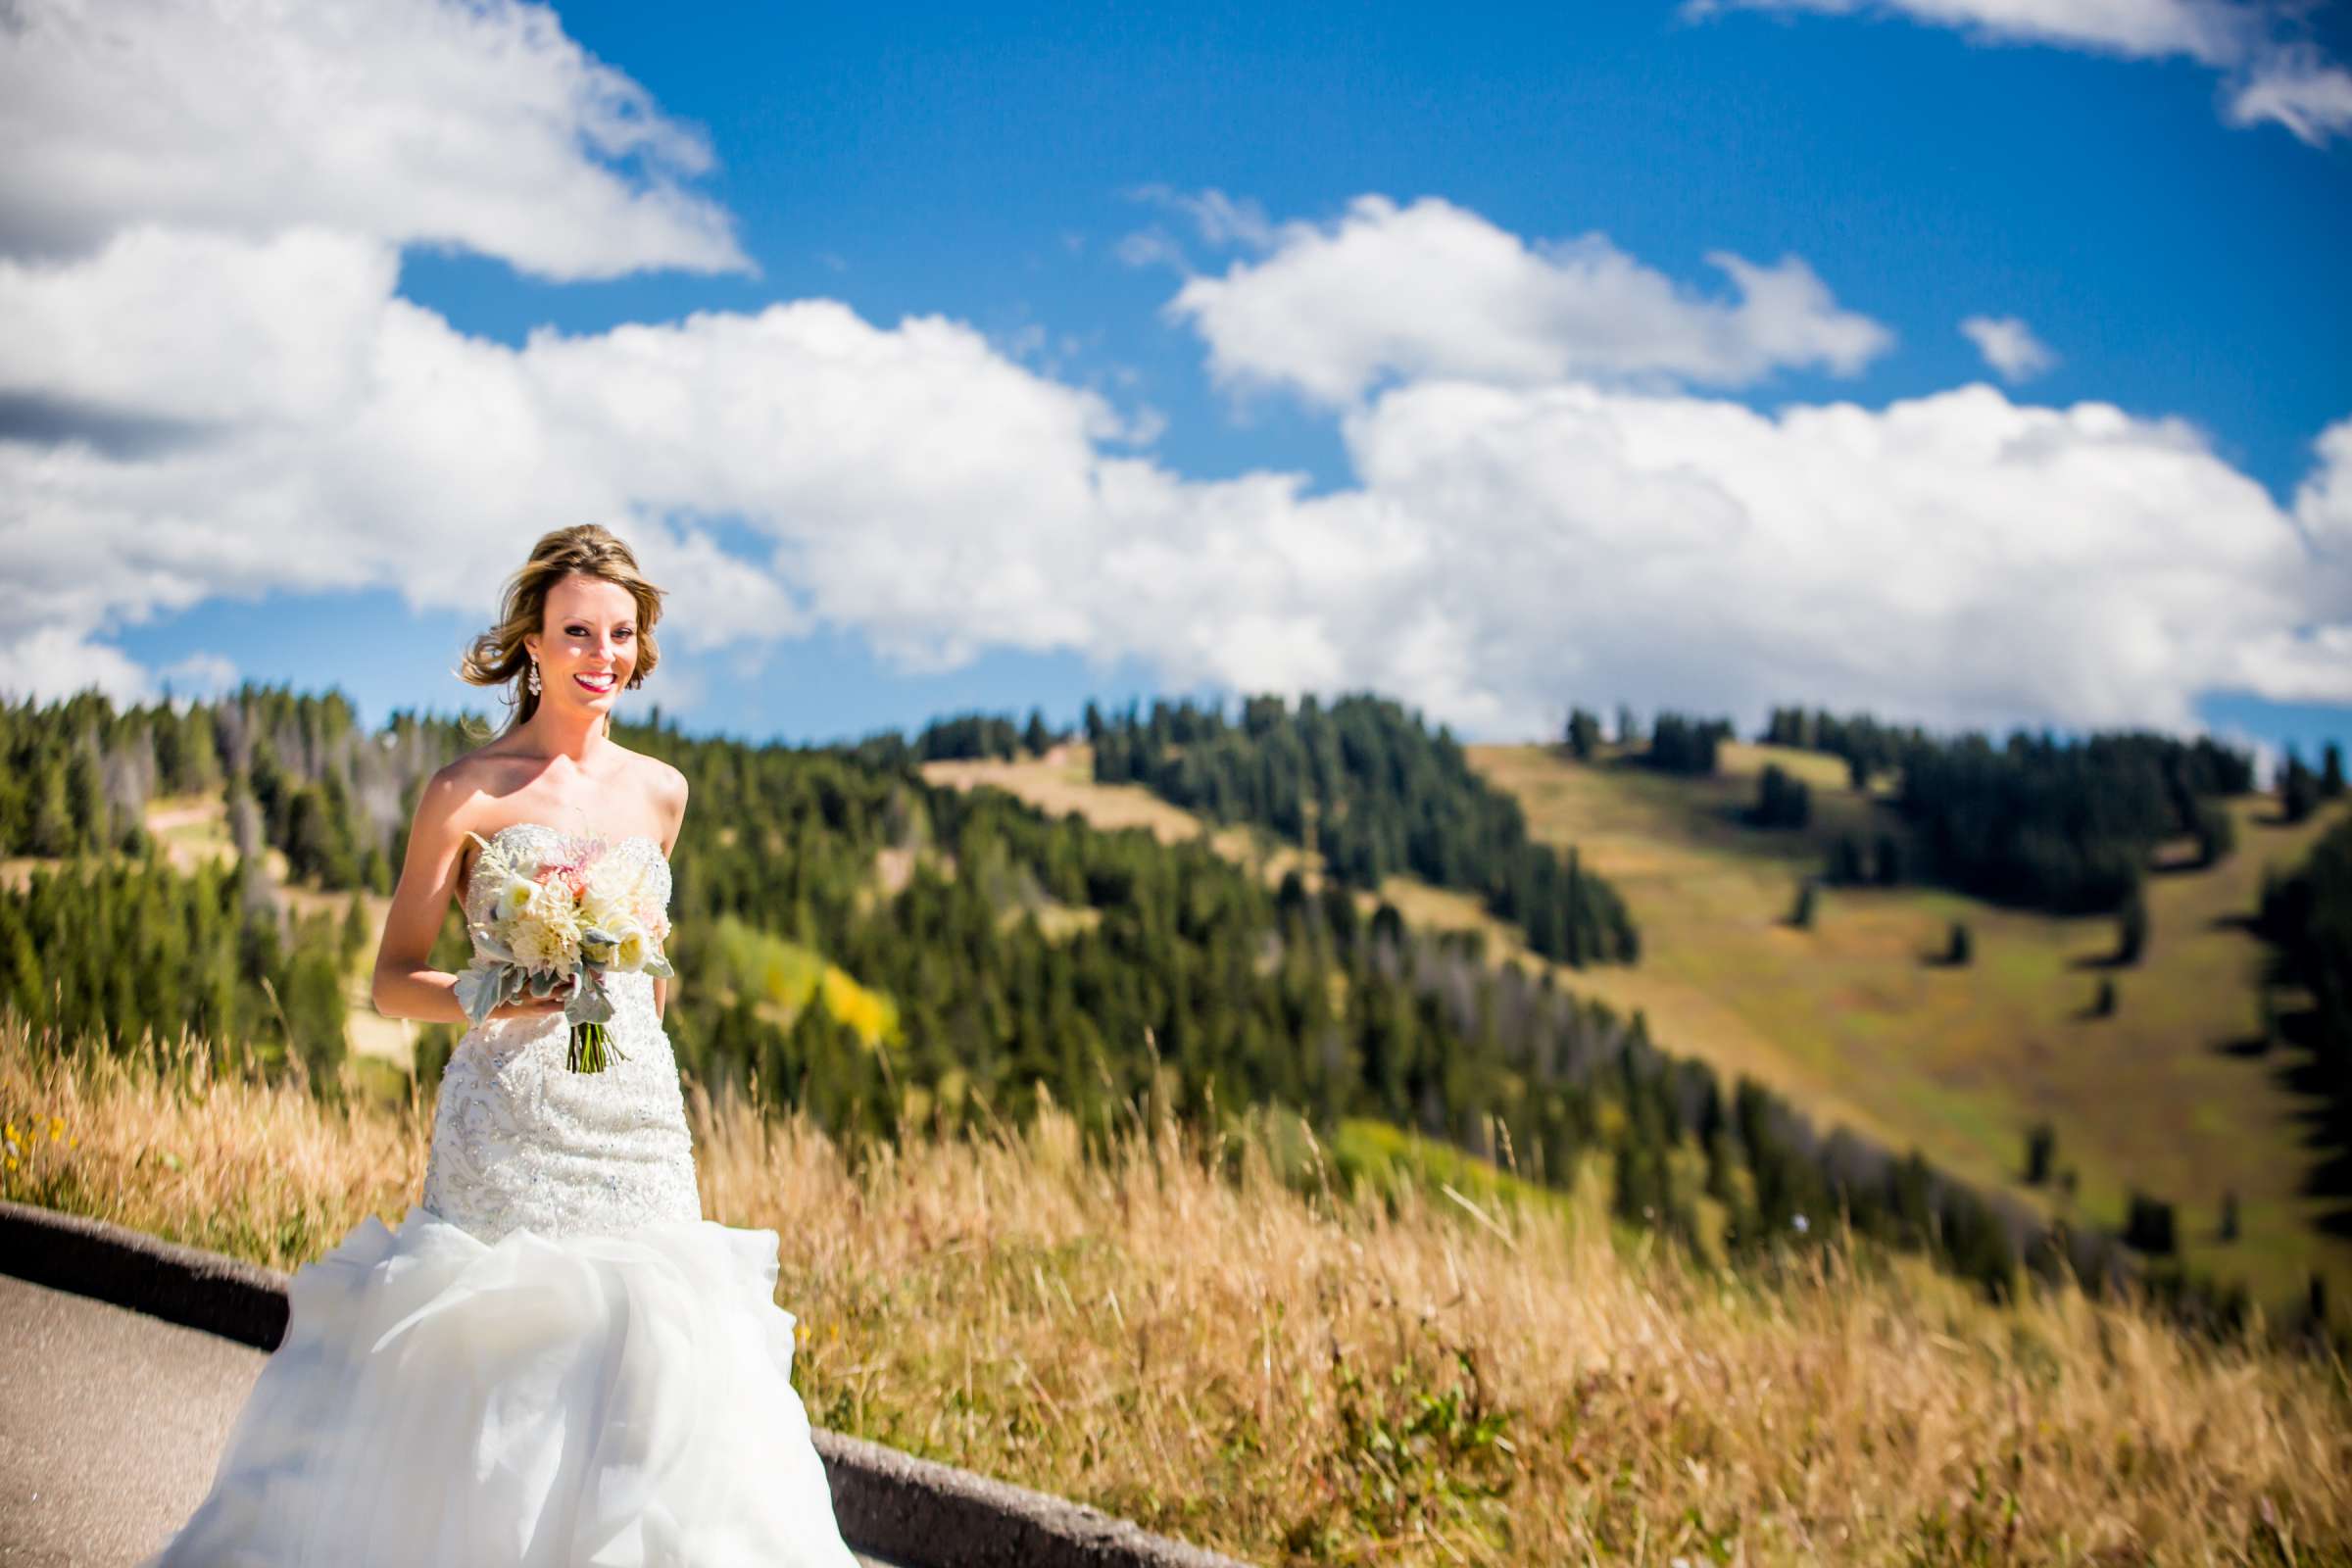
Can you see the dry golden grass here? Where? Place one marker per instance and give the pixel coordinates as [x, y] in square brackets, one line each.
[1174, 1334]
[1063, 781]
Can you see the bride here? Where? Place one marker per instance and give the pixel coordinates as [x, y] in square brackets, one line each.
[556, 1360]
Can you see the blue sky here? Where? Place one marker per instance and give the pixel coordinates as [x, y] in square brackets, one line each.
[996, 167]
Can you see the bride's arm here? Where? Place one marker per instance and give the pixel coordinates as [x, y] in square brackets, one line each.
[673, 811]
[407, 986]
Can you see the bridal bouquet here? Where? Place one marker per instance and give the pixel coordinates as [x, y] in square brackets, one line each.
[578, 913]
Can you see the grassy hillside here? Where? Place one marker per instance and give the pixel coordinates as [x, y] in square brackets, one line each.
[2162, 1097]
[1854, 1022]
[1421, 1374]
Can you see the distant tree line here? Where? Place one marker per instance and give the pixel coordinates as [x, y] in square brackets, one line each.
[2065, 825]
[1867, 746]
[1676, 743]
[960, 737]
[1375, 791]
[1680, 744]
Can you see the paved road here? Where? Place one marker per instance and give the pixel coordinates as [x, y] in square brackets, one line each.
[111, 1423]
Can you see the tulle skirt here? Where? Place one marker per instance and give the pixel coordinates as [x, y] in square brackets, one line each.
[618, 1400]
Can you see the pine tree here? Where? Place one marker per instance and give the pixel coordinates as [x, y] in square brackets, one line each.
[85, 793]
[2132, 926]
[1584, 734]
[52, 829]
[2148, 1226]
[1782, 801]
[2217, 832]
[1845, 861]
[355, 928]
[2332, 771]
[309, 852]
[2041, 1150]
[316, 1011]
[1888, 869]
[2298, 791]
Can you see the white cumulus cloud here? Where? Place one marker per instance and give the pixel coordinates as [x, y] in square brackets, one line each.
[1958, 556]
[1432, 290]
[50, 663]
[477, 126]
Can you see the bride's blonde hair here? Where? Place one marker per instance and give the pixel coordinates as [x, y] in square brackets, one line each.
[498, 657]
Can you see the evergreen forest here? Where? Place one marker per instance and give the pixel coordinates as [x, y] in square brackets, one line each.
[2065, 825]
[1375, 792]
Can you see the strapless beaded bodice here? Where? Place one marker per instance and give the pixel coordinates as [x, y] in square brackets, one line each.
[520, 1141]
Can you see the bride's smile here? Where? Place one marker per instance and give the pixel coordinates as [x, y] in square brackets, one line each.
[590, 644]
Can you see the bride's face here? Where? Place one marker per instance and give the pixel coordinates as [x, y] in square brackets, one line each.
[588, 643]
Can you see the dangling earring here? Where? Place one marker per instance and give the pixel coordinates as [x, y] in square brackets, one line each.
[532, 680]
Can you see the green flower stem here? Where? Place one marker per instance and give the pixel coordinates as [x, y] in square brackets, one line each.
[592, 1048]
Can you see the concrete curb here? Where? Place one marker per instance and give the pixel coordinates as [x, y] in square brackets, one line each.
[915, 1511]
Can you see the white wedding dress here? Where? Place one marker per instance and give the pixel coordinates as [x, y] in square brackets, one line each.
[555, 1362]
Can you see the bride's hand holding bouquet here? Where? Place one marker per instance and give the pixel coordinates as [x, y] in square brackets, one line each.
[560, 922]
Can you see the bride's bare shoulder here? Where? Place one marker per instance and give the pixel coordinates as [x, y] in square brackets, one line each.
[455, 791]
[664, 790]
[483, 768]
